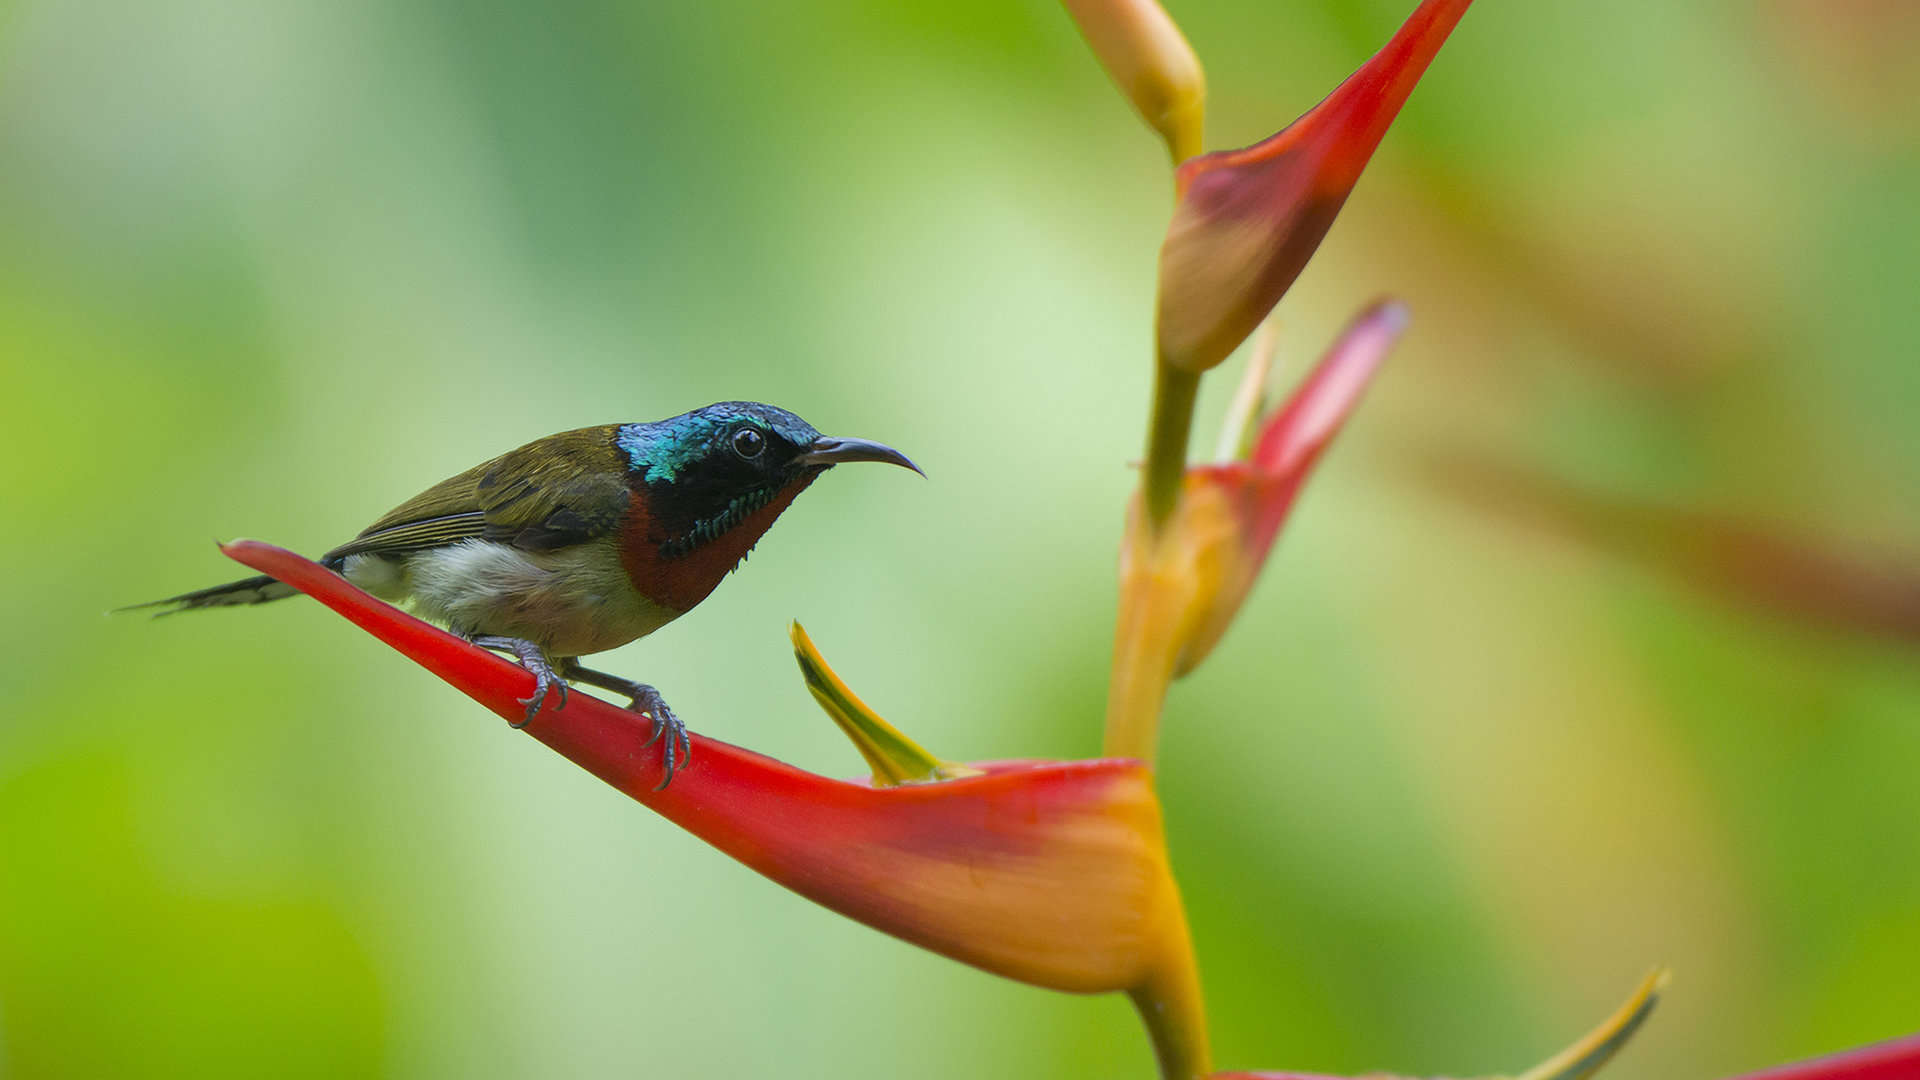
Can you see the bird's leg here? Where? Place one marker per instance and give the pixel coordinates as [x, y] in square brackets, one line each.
[545, 680]
[648, 702]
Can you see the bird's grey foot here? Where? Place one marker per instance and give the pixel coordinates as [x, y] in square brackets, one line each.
[648, 702]
[546, 680]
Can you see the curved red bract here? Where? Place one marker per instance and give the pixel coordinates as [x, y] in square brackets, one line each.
[1291, 441]
[1340, 134]
[1049, 872]
[1256, 495]
[1248, 220]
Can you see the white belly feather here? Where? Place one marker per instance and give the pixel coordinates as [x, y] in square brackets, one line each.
[570, 602]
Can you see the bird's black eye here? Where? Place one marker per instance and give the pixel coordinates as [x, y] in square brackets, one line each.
[749, 443]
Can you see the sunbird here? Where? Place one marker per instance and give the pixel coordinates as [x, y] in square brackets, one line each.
[584, 541]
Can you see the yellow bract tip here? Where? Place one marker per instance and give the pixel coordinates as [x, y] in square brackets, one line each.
[1596, 1047]
[894, 758]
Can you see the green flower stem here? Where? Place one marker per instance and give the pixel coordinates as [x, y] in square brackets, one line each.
[1167, 435]
[1171, 1008]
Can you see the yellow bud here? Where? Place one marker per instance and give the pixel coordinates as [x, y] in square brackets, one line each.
[1151, 62]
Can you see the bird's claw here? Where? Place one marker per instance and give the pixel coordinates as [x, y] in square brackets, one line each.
[679, 746]
[545, 683]
[646, 700]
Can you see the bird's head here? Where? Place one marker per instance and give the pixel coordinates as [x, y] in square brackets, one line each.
[706, 473]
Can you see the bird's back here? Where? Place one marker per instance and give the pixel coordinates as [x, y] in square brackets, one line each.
[565, 489]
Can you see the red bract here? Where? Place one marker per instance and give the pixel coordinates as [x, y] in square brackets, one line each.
[1248, 220]
[1261, 490]
[1895, 1059]
[1054, 873]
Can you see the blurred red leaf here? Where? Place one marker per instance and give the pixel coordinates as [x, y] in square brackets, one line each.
[1743, 563]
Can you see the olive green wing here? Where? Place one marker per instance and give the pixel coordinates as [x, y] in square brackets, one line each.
[562, 490]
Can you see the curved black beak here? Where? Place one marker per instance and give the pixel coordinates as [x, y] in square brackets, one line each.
[825, 451]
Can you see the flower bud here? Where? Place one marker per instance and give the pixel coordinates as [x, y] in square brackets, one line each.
[1151, 62]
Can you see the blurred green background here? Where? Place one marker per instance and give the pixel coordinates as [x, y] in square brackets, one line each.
[1451, 786]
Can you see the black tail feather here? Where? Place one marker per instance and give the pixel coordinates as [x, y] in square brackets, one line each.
[254, 590]
[260, 589]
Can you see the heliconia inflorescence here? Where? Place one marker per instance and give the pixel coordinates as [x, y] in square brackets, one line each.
[1180, 589]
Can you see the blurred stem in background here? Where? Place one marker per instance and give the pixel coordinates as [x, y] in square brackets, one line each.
[1799, 579]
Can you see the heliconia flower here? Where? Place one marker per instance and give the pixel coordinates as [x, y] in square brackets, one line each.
[1054, 873]
[1180, 588]
[1152, 64]
[1577, 1062]
[1248, 220]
